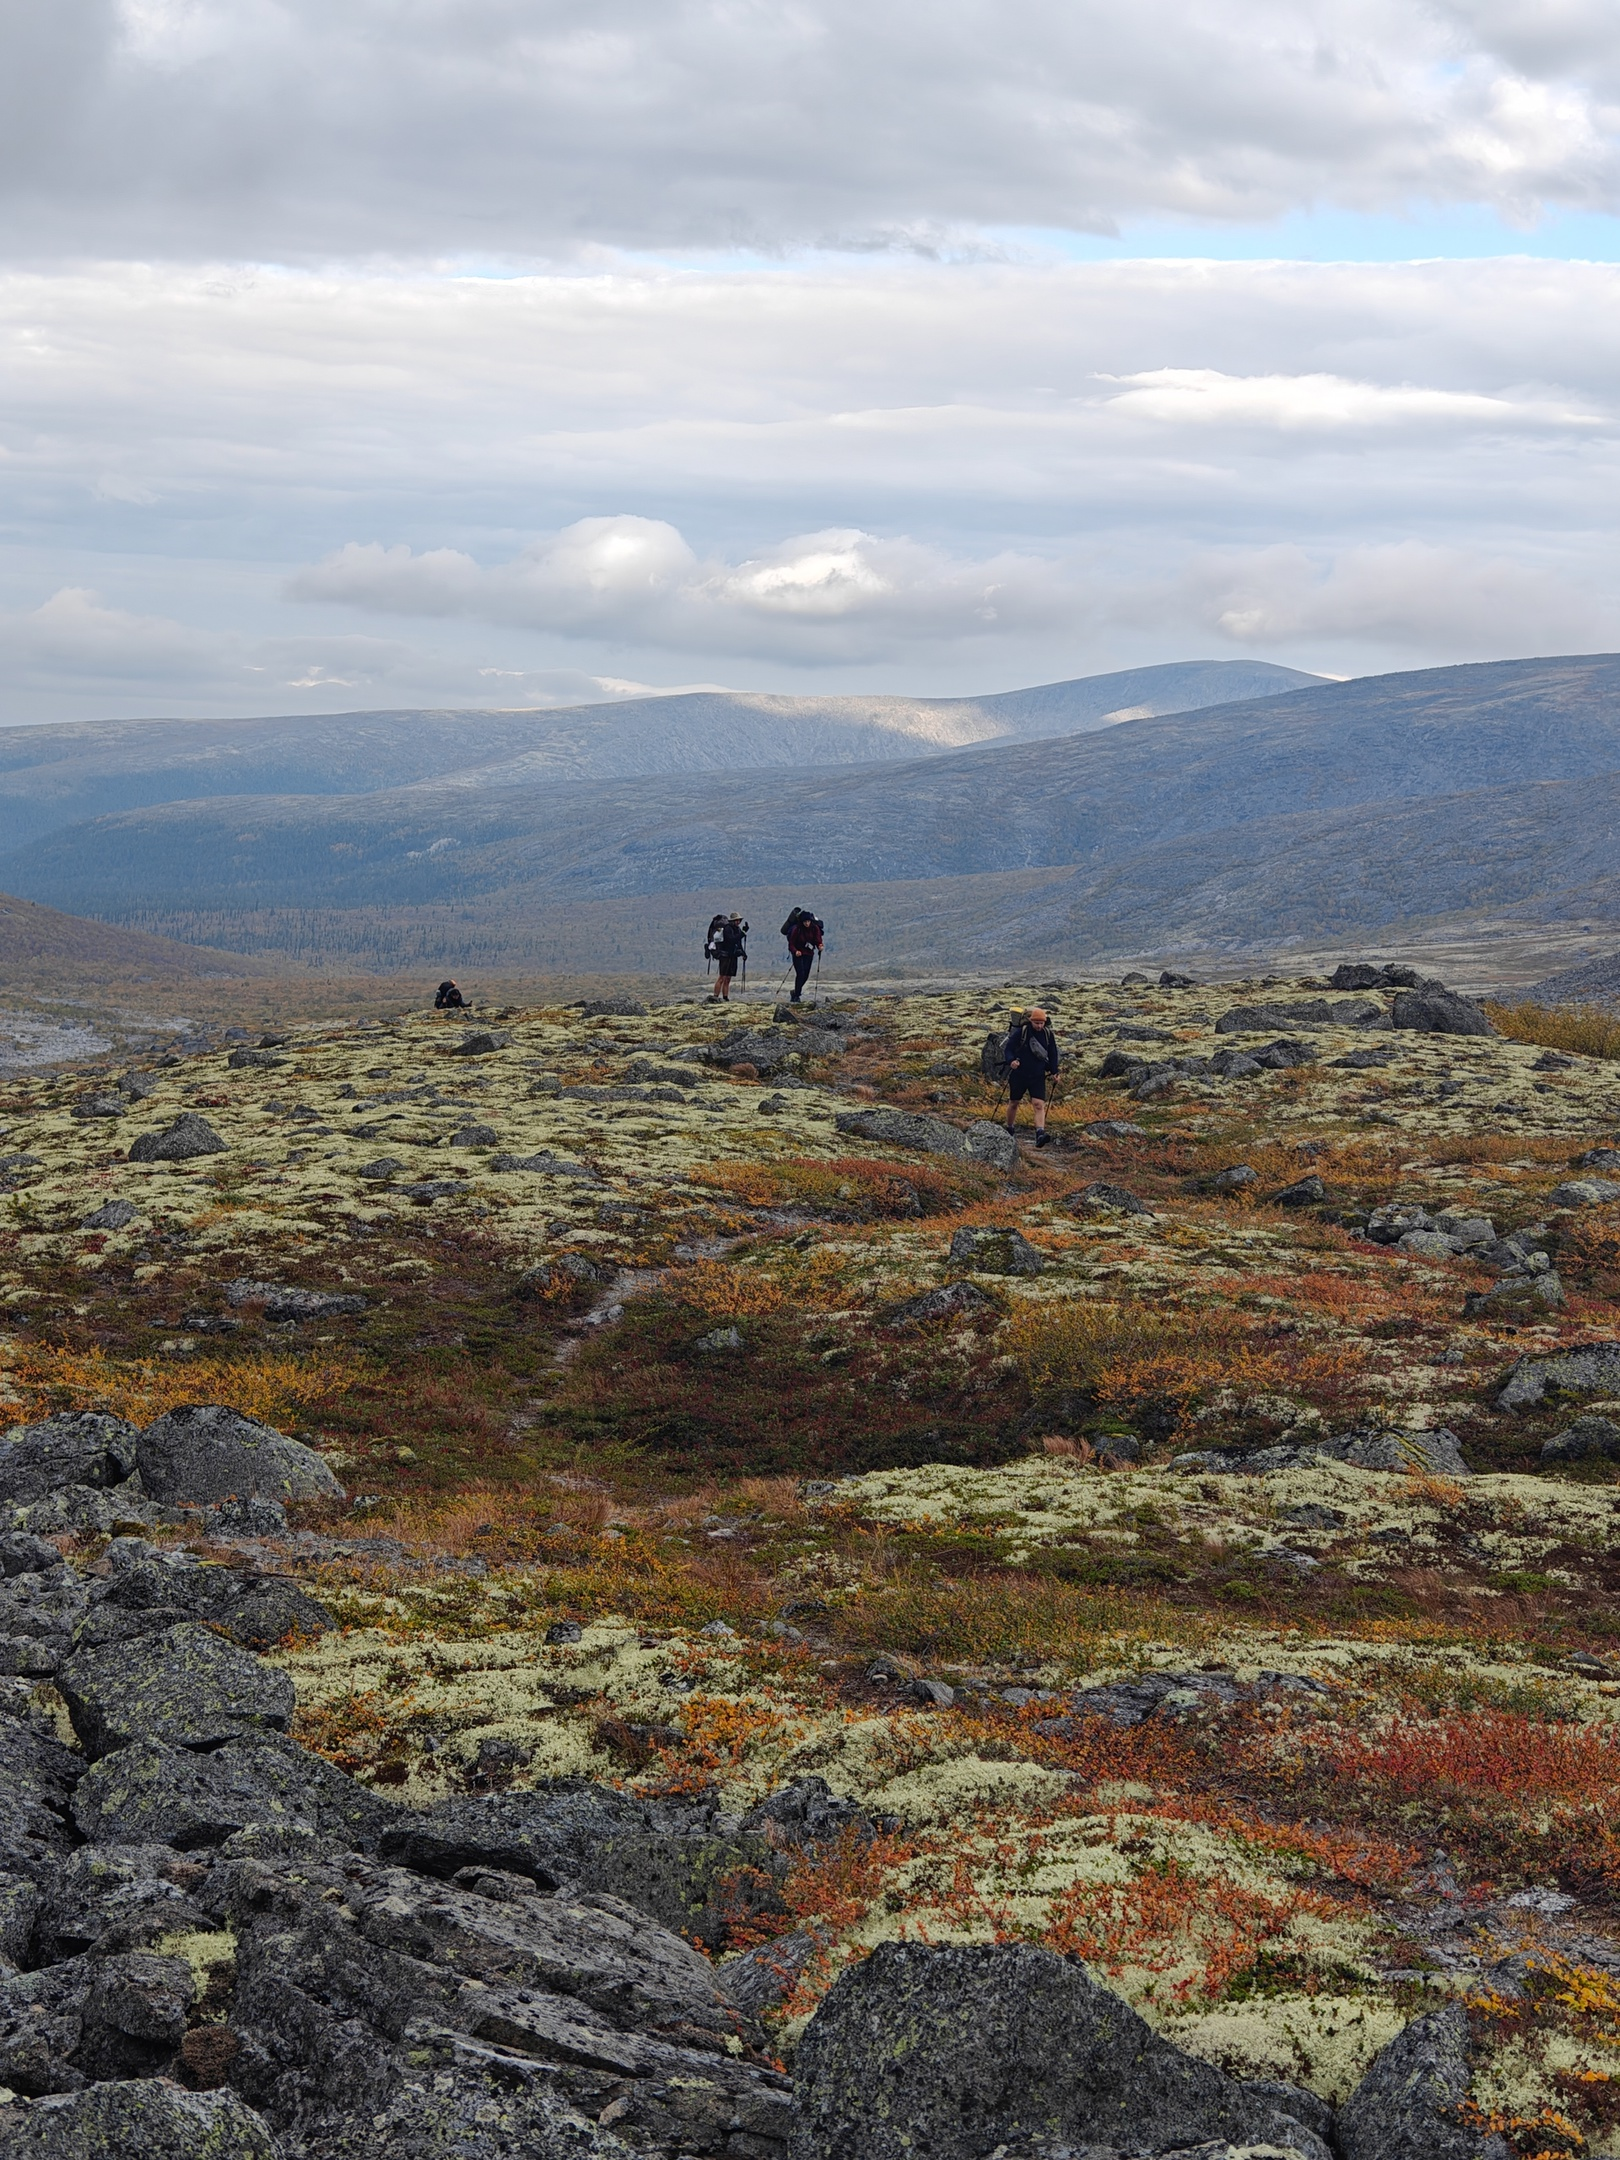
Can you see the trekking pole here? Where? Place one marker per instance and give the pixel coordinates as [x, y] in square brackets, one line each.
[818, 974]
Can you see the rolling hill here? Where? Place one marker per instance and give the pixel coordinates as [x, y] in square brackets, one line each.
[52, 777]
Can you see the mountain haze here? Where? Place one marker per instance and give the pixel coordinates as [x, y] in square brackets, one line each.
[1335, 812]
[56, 776]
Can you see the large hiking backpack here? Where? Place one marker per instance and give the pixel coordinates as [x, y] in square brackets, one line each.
[711, 939]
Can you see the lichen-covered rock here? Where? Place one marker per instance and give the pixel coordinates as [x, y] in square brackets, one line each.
[945, 1303]
[182, 1685]
[1405, 2106]
[996, 1252]
[952, 2051]
[1583, 1369]
[149, 1793]
[142, 2119]
[254, 1609]
[1584, 1192]
[37, 1777]
[903, 1128]
[991, 1144]
[1586, 1438]
[1101, 1197]
[189, 1135]
[134, 2015]
[206, 1453]
[287, 1301]
[659, 1859]
[112, 1898]
[1432, 1009]
[79, 1447]
[39, 1611]
[1435, 1452]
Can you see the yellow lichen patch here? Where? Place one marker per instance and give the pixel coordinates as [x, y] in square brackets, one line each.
[204, 1950]
[1323, 2042]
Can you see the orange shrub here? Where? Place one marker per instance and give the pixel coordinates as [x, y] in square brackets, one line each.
[1487, 1753]
[271, 1389]
[726, 1293]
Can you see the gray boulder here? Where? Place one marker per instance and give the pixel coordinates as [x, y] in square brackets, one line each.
[1436, 1452]
[482, 1042]
[100, 1106]
[569, 1831]
[1103, 1198]
[996, 1252]
[364, 1996]
[1599, 1158]
[904, 1128]
[1387, 1225]
[111, 1215]
[1538, 1290]
[1584, 1192]
[1307, 1191]
[1404, 2108]
[620, 1006]
[286, 1301]
[182, 1685]
[206, 1453]
[113, 1898]
[40, 1608]
[149, 2117]
[80, 1447]
[189, 1135]
[37, 1777]
[1432, 1009]
[950, 1301]
[1587, 1438]
[150, 1794]
[1584, 1369]
[253, 1609]
[991, 1144]
[757, 1980]
[953, 2051]
[568, 1273]
[475, 1136]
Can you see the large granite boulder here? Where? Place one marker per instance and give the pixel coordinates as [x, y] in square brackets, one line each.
[902, 1128]
[79, 1447]
[254, 1609]
[150, 1793]
[182, 1685]
[188, 1136]
[996, 1252]
[1432, 1009]
[206, 1453]
[953, 2051]
[1405, 2106]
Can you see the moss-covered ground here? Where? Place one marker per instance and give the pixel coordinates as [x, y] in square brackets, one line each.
[655, 1380]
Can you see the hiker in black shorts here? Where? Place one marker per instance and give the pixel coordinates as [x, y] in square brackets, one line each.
[730, 948]
[1030, 1054]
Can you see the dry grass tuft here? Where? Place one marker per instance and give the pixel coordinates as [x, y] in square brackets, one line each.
[1585, 1030]
[272, 1389]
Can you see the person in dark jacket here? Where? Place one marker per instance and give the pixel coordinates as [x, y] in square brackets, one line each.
[730, 949]
[803, 932]
[1030, 1054]
[449, 999]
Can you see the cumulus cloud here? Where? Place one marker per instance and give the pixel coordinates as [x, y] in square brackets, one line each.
[316, 128]
[819, 597]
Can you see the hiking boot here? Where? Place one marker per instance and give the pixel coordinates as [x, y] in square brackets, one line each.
[1043, 1139]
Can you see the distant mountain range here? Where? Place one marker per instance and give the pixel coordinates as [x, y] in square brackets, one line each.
[52, 777]
[1329, 813]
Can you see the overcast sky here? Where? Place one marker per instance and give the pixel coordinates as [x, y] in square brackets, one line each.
[506, 352]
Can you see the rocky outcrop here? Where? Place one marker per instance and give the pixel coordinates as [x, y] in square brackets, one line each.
[1432, 1009]
[81, 1447]
[209, 1453]
[996, 1252]
[180, 1685]
[984, 1140]
[1583, 1369]
[188, 1136]
[954, 2051]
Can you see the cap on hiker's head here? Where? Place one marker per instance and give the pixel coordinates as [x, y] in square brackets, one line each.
[1037, 1015]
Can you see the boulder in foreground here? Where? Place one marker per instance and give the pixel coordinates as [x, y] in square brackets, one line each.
[206, 1453]
[1405, 2106]
[183, 1685]
[189, 1135]
[952, 2051]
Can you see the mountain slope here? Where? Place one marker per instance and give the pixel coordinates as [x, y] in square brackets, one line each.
[41, 948]
[56, 776]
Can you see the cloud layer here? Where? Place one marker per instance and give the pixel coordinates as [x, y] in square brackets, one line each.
[291, 488]
[312, 129]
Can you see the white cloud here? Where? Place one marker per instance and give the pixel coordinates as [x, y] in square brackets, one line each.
[1205, 397]
[310, 129]
[819, 597]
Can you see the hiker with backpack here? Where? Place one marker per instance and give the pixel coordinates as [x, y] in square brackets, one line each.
[728, 947]
[804, 933]
[1030, 1054]
[449, 999]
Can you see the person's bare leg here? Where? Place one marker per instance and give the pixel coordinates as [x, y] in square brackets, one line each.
[1040, 1114]
[1012, 1117]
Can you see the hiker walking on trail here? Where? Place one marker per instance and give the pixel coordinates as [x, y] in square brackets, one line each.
[729, 945]
[804, 933]
[1030, 1054]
